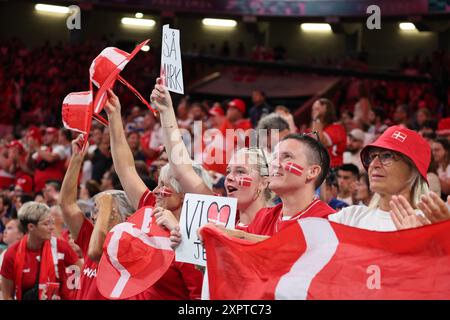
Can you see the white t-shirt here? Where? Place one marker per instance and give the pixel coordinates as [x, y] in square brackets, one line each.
[365, 218]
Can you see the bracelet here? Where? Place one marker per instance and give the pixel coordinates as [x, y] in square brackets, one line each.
[168, 127]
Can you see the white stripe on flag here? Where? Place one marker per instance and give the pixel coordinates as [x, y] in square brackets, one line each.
[321, 245]
[78, 98]
[113, 56]
[205, 286]
[162, 243]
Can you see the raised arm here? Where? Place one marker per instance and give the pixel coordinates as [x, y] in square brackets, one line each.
[101, 227]
[180, 161]
[123, 159]
[72, 214]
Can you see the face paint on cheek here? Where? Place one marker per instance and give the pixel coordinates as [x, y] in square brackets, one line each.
[165, 192]
[245, 181]
[293, 168]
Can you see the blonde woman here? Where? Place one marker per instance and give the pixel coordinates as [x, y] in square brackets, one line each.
[247, 171]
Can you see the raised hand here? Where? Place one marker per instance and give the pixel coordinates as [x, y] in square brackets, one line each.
[77, 146]
[112, 105]
[404, 216]
[434, 207]
[175, 237]
[160, 97]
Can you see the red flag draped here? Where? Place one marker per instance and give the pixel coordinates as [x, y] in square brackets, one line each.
[318, 259]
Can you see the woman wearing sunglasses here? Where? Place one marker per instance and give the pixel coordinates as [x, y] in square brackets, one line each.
[397, 164]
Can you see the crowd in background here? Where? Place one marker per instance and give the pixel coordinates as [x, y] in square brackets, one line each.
[35, 148]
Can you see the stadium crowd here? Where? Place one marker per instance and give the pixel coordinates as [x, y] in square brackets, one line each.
[42, 196]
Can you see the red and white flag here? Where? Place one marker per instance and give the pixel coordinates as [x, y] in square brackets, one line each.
[318, 259]
[136, 254]
[77, 111]
[245, 181]
[293, 168]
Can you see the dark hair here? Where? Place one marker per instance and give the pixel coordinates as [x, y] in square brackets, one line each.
[55, 184]
[331, 180]
[330, 112]
[6, 200]
[115, 181]
[351, 168]
[365, 177]
[67, 134]
[430, 123]
[379, 112]
[446, 145]
[318, 154]
[92, 187]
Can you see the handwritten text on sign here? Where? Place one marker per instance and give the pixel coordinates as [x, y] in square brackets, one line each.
[171, 68]
[197, 211]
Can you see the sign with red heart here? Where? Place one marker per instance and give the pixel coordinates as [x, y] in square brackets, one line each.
[197, 211]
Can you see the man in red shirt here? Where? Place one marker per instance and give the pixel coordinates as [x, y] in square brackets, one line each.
[235, 114]
[331, 133]
[299, 166]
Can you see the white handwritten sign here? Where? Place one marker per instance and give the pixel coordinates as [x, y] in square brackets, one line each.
[171, 68]
[197, 211]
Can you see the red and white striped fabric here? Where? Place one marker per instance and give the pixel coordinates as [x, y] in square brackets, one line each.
[77, 111]
[105, 69]
[245, 181]
[136, 254]
[318, 259]
[293, 168]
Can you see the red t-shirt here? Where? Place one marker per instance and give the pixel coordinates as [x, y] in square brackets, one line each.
[88, 286]
[338, 137]
[269, 221]
[66, 258]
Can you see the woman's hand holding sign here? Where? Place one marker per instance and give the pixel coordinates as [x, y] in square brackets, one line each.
[160, 97]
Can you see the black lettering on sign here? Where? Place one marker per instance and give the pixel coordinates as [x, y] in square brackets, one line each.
[189, 221]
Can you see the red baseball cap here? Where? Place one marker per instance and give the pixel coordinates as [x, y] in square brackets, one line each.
[16, 143]
[216, 111]
[238, 104]
[35, 133]
[443, 127]
[25, 182]
[136, 254]
[407, 142]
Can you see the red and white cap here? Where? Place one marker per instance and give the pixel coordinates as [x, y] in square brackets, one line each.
[136, 254]
[77, 111]
[407, 142]
[25, 182]
[443, 127]
[238, 104]
[104, 71]
[16, 143]
[216, 111]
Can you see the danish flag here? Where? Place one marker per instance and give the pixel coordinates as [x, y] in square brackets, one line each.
[245, 181]
[293, 168]
[165, 192]
[400, 136]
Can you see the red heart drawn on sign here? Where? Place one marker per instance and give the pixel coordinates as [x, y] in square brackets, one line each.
[219, 216]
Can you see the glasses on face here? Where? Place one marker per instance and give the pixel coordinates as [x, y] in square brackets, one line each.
[386, 157]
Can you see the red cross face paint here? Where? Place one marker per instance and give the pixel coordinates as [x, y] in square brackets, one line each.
[245, 181]
[165, 192]
[293, 168]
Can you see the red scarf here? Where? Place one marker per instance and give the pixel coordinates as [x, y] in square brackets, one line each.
[48, 284]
